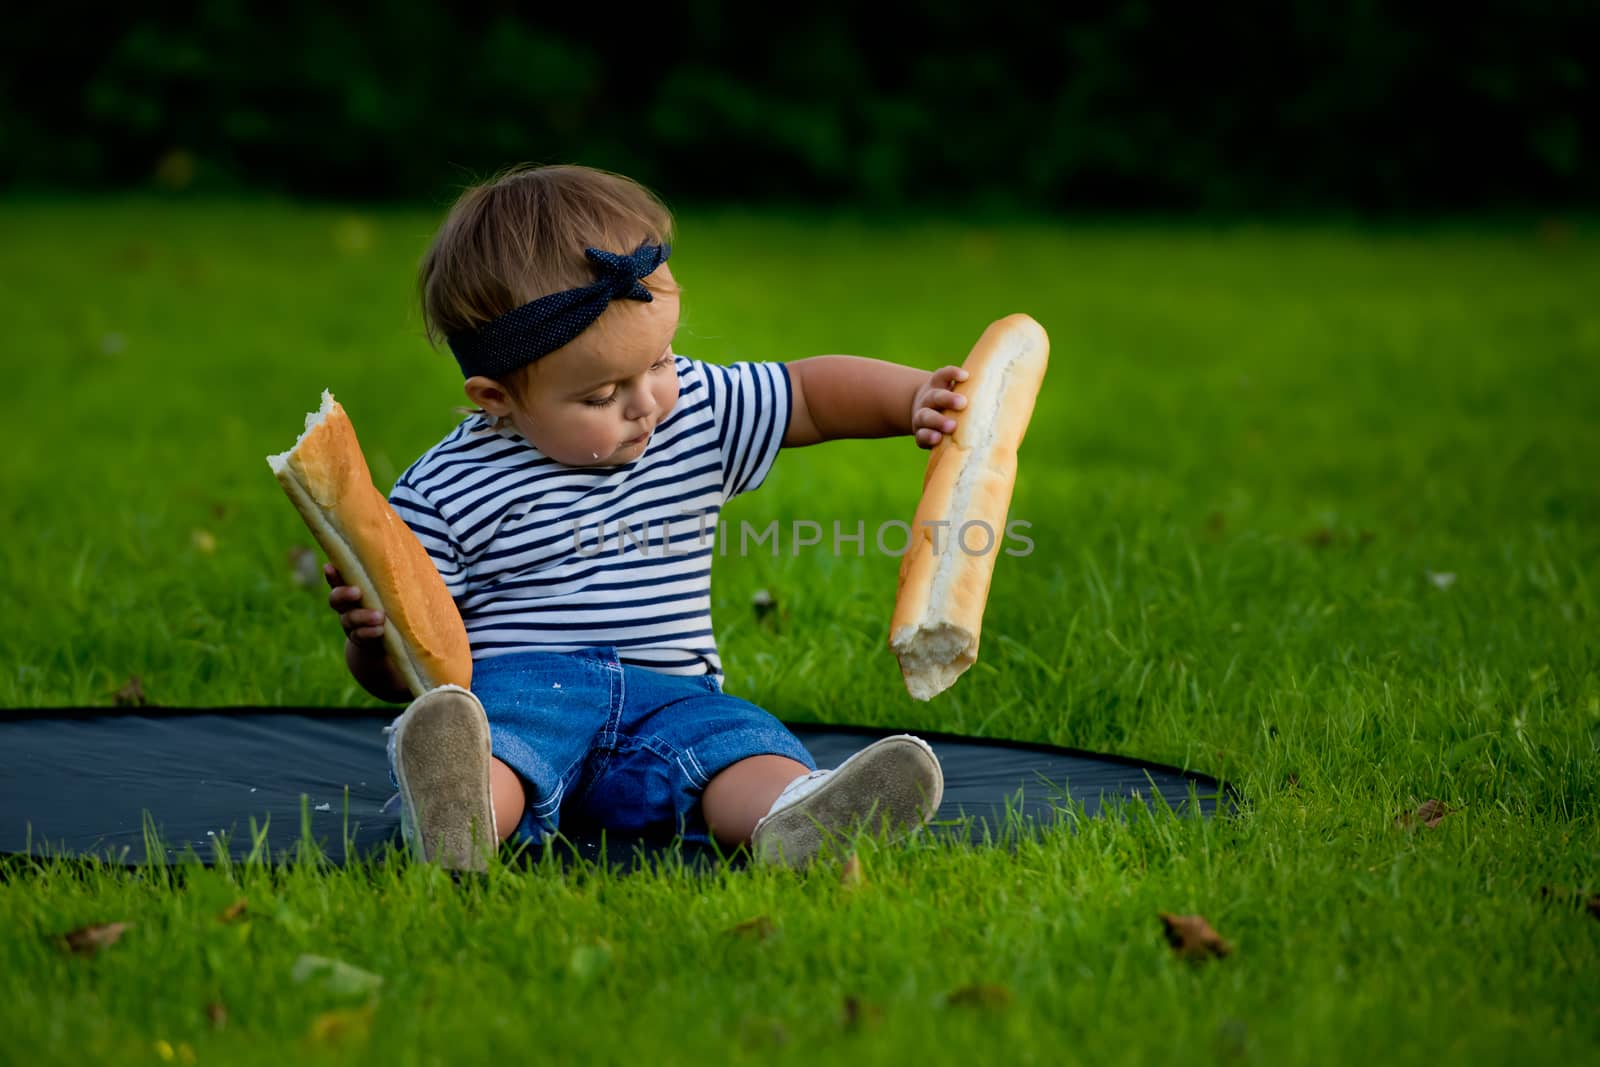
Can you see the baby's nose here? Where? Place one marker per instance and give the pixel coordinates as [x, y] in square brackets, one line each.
[643, 406]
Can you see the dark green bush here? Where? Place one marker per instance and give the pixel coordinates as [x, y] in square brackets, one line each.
[1231, 107]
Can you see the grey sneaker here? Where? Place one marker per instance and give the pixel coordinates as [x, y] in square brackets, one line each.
[439, 751]
[895, 782]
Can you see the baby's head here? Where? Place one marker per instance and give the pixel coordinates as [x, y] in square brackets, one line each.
[591, 400]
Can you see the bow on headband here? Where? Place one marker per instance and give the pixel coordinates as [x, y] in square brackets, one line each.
[536, 329]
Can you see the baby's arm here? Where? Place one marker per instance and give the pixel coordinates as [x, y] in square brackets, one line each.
[838, 397]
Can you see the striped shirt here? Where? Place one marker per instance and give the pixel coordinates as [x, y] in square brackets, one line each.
[540, 556]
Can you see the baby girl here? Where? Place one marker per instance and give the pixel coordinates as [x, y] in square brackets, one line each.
[597, 694]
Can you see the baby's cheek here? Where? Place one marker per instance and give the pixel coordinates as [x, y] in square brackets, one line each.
[578, 441]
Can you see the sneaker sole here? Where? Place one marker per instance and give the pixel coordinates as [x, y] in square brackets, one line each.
[443, 732]
[896, 780]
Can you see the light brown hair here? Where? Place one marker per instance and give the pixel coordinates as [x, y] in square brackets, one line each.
[520, 236]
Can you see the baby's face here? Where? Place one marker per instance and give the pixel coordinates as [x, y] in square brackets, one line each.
[596, 401]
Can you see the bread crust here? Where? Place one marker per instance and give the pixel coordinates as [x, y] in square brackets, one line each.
[940, 599]
[326, 477]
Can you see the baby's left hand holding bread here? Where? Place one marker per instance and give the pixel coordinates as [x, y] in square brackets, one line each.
[929, 423]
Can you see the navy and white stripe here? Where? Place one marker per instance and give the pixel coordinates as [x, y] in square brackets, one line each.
[498, 518]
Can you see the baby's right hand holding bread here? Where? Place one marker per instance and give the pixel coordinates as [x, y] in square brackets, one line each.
[408, 637]
[364, 627]
[364, 653]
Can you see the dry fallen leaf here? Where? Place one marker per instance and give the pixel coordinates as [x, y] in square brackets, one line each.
[851, 876]
[1192, 937]
[218, 1014]
[760, 928]
[1429, 813]
[342, 1024]
[980, 995]
[131, 695]
[232, 911]
[87, 940]
[183, 1054]
[859, 1014]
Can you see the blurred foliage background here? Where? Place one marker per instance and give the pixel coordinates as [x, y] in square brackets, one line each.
[1120, 105]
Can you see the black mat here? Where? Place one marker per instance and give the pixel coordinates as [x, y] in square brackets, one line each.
[97, 781]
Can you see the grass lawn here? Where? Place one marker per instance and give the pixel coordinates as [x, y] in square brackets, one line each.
[1310, 510]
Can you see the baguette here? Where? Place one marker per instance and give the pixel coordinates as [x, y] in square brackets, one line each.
[939, 604]
[327, 478]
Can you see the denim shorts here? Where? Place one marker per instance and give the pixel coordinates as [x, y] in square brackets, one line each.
[600, 744]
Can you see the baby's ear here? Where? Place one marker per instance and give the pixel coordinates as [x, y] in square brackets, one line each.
[487, 394]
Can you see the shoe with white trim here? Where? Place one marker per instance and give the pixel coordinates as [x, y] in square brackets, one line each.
[895, 783]
[439, 751]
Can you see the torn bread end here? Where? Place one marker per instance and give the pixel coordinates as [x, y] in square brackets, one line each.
[933, 657]
[279, 461]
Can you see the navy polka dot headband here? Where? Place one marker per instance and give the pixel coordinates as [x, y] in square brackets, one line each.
[536, 329]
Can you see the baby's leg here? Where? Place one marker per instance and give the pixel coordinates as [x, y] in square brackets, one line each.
[739, 795]
[508, 798]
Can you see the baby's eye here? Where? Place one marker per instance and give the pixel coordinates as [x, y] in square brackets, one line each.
[606, 402]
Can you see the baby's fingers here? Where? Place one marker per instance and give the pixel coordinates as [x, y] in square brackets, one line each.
[948, 377]
[930, 419]
[363, 626]
[343, 598]
[368, 635]
[930, 426]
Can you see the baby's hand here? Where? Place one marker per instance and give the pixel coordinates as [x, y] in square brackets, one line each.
[363, 627]
[928, 419]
